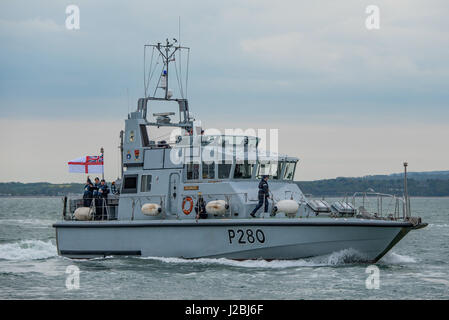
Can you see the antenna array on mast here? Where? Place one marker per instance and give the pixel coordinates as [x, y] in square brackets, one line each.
[165, 54]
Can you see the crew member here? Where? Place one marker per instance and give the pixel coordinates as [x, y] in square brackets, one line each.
[96, 187]
[200, 208]
[263, 196]
[113, 188]
[88, 193]
[103, 192]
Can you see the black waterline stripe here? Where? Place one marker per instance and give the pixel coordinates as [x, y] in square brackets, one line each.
[269, 224]
[102, 253]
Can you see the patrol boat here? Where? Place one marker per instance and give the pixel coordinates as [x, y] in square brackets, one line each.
[164, 184]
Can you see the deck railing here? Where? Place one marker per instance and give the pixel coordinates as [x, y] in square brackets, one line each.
[367, 204]
[385, 206]
[102, 209]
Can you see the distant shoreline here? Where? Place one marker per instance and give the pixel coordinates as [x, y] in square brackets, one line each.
[30, 196]
[420, 184]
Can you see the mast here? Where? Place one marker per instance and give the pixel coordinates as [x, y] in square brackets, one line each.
[121, 152]
[167, 54]
[102, 166]
[167, 49]
[407, 203]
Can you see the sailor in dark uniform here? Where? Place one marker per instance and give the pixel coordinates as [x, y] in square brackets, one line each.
[96, 187]
[114, 188]
[200, 208]
[88, 193]
[103, 192]
[263, 196]
[96, 197]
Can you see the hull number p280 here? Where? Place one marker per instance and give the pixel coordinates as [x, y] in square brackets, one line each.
[247, 236]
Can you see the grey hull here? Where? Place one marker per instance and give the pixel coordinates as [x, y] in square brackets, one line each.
[233, 239]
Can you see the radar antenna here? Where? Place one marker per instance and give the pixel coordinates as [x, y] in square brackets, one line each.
[162, 55]
[166, 53]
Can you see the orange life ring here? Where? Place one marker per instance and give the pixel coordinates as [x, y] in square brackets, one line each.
[190, 200]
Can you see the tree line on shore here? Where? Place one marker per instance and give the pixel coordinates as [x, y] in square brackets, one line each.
[348, 186]
[433, 187]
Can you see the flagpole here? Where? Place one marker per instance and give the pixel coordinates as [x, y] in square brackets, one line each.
[102, 166]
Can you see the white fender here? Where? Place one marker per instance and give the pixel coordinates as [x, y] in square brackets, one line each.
[288, 207]
[83, 213]
[151, 209]
[217, 207]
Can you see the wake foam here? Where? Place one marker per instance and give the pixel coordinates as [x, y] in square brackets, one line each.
[343, 257]
[28, 250]
[394, 258]
[30, 222]
[438, 225]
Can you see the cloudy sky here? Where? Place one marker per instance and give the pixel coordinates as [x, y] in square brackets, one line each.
[347, 101]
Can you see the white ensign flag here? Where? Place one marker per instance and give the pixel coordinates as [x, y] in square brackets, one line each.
[87, 164]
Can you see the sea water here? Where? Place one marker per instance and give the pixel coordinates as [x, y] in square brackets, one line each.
[416, 268]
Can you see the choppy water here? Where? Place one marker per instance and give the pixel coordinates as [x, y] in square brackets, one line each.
[30, 268]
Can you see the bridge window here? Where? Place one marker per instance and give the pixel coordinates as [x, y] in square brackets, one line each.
[129, 184]
[271, 169]
[192, 171]
[224, 169]
[243, 170]
[144, 135]
[209, 170]
[289, 172]
[145, 185]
